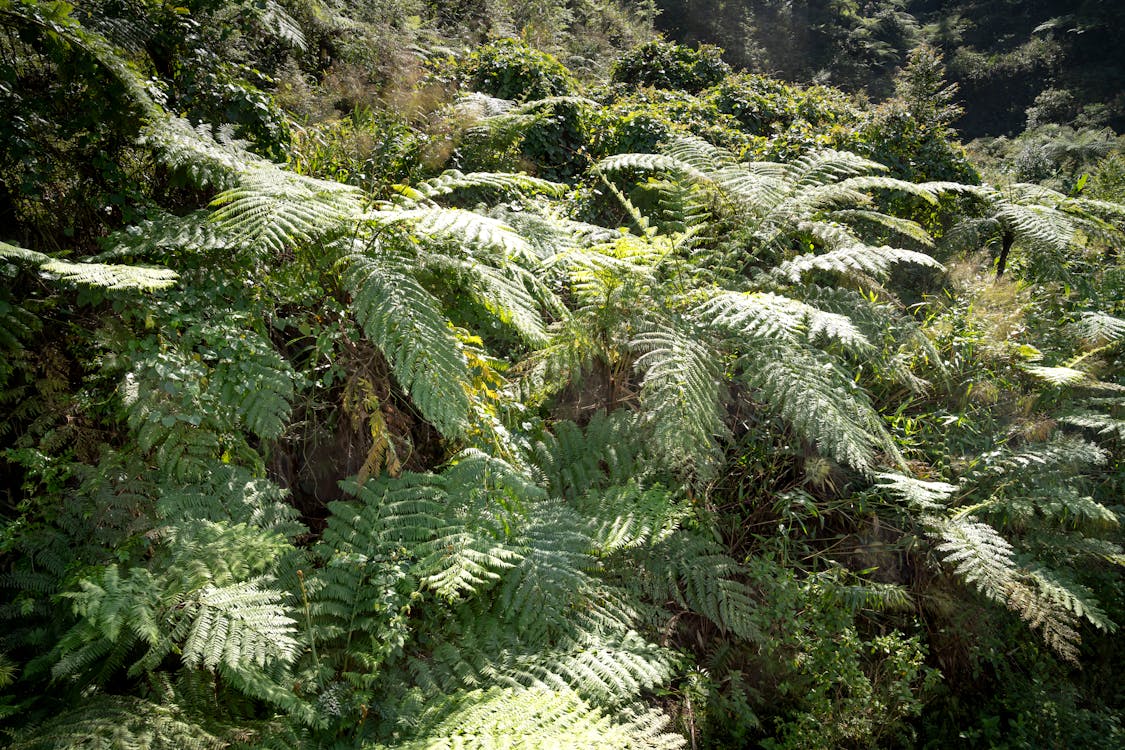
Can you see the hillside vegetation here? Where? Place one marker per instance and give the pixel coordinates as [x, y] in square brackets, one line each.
[433, 375]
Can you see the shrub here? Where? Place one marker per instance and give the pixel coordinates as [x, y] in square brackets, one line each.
[509, 69]
[664, 65]
[637, 123]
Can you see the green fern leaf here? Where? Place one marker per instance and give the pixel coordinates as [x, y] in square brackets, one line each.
[405, 322]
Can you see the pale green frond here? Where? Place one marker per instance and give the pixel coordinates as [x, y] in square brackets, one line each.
[505, 292]
[1030, 193]
[689, 569]
[681, 396]
[606, 452]
[12, 252]
[274, 210]
[103, 275]
[238, 624]
[904, 228]
[1106, 210]
[1064, 453]
[282, 25]
[627, 517]
[600, 667]
[113, 722]
[699, 154]
[253, 379]
[405, 321]
[755, 315]
[207, 160]
[477, 104]
[231, 494]
[868, 259]
[827, 166]
[756, 189]
[1096, 327]
[1038, 604]
[466, 227]
[1058, 376]
[167, 234]
[917, 493]
[1037, 225]
[979, 555]
[1104, 424]
[453, 180]
[535, 718]
[109, 276]
[868, 183]
[826, 198]
[652, 163]
[821, 402]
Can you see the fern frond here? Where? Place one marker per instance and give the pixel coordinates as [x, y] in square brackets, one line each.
[876, 261]
[628, 516]
[827, 165]
[206, 158]
[603, 669]
[119, 723]
[605, 453]
[273, 209]
[282, 25]
[681, 396]
[167, 234]
[1061, 453]
[918, 494]
[699, 153]
[231, 494]
[979, 555]
[1057, 375]
[526, 719]
[458, 225]
[405, 321]
[1102, 423]
[239, 624]
[453, 180]
[506, 292]
[1096, 327]
[102, 275]
[904, 228]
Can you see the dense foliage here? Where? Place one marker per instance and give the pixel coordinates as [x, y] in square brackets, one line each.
[373, 378]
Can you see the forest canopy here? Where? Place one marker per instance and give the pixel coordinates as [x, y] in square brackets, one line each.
[405, 374]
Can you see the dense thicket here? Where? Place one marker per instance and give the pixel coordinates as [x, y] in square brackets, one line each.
[374, 378]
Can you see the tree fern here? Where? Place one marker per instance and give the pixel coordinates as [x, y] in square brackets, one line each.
[1048, 600]
[816, 196]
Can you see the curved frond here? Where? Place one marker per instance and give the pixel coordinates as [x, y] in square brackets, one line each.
[681, 396]
[406, 323]
[274, 210]
[453, 180]
[103, 275]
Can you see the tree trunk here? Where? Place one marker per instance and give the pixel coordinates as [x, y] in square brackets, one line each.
[1005, 246]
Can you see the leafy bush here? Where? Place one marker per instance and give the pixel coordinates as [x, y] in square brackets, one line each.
[639, 121]
[665, 65]
[509, 69]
